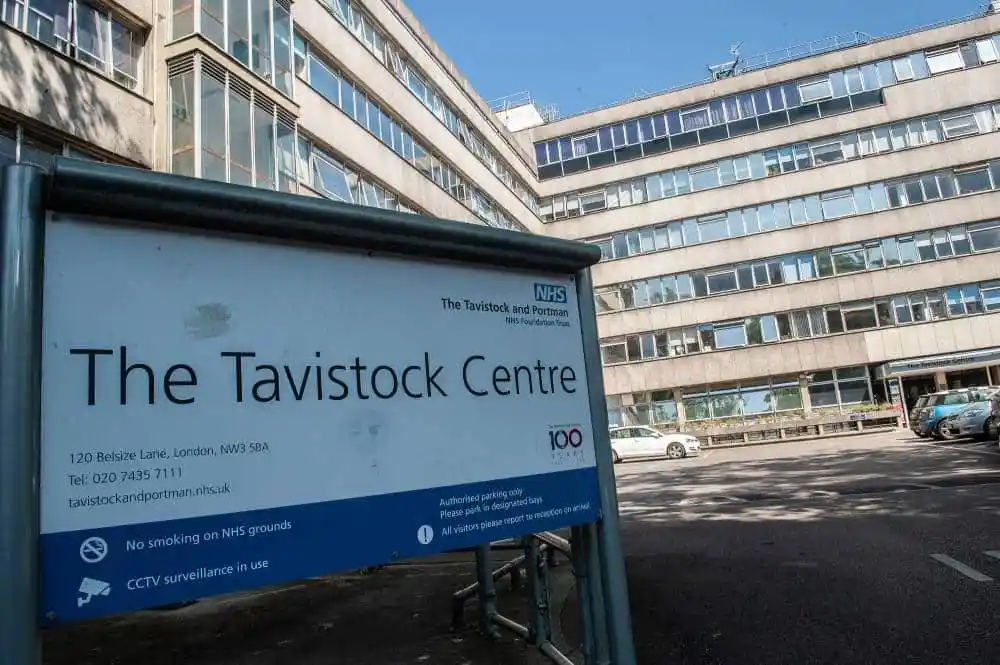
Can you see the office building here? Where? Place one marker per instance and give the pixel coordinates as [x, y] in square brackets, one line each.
[783, 244]
[800, 236]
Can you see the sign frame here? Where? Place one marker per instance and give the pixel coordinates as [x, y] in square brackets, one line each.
[177, 203]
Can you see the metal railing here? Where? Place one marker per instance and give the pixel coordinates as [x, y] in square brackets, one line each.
[806, 50]
[771, 59]
[539, 553]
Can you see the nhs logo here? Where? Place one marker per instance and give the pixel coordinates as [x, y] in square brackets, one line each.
[550, 293]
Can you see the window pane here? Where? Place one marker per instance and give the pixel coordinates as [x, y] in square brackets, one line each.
[181, 125]
[182, 22]
[834, 322]
[959, 240]
[859, 319]
[854, 392]
[907, 249]
[613, 354]
[827, 153]
[239, 30]
[705, 177]
[873, 253]
[730, 336]
[944, 61]
[985, 236]
[837, 204]
[977, 180]
[213, 129]
[849, 260]
[722, 281]
[330, 179]
[815, 90]
[282, 49]
[264, 149]
[91, 35]
[262, 36]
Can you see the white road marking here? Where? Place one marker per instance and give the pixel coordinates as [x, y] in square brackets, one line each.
[971, 573]
[992, 553]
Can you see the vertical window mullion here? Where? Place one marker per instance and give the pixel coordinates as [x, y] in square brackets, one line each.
[275, 159]
[197, 116]
[252, 59]
[291, 64]
[74, 23]
[197, 17]
[225, 32]
[225, 124]
[109, 65]
[270, 46]
[253, 135]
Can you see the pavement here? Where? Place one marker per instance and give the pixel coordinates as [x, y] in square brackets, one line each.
[396, 615]
[872, 549]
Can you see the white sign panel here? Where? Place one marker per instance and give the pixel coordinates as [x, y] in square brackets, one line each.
[221, 414]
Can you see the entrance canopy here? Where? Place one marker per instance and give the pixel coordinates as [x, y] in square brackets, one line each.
[940, 363]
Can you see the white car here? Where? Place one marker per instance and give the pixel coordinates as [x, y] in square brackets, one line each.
[638, 441]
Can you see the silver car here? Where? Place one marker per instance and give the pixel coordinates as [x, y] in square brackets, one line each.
[972, 420]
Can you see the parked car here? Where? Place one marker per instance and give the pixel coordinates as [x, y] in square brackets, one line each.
[971, 420]
[993, 420]
[930, 420]
[639, 441]
[914, 413]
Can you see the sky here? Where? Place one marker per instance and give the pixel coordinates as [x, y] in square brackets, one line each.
[580, 54]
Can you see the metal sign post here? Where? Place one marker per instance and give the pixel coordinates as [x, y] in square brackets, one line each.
[207, 388]
[20, 339]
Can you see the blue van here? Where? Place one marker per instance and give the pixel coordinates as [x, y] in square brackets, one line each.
[930, 418]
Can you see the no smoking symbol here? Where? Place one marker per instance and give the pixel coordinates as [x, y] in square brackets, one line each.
[93, 550]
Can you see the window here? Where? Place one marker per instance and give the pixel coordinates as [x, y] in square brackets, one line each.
[705, 177]
[592, 201]
[815, 90]
[987, 50]
[985, 235]
[613, 352]
[182, 118]
[848, 259]
[903, 69]
[728, 335]
[945, 60]
[713, 228]
[859, 317]
[692, 119]
[584, 145]
[837, 204]
[95, 37]
[991, 296]
[973, 179]
[827, 153]
[722, 282]
[959, 125]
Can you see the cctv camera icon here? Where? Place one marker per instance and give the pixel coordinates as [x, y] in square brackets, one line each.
[89, 588]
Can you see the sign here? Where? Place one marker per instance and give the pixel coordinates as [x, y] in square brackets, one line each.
[928, 364]
[222, 414]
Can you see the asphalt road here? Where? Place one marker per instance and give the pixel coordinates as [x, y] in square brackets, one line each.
[873, 549]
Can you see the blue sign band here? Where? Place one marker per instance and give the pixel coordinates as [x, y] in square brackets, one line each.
[97, 572]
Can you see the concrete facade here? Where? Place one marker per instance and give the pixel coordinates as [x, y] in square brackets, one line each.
[706, 361]
[287, 99]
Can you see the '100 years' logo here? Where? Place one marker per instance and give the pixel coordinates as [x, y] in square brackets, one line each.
[561, 439]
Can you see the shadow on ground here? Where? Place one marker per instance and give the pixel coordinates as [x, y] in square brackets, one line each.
[400, 614]
[755, 488]
[821, 558]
